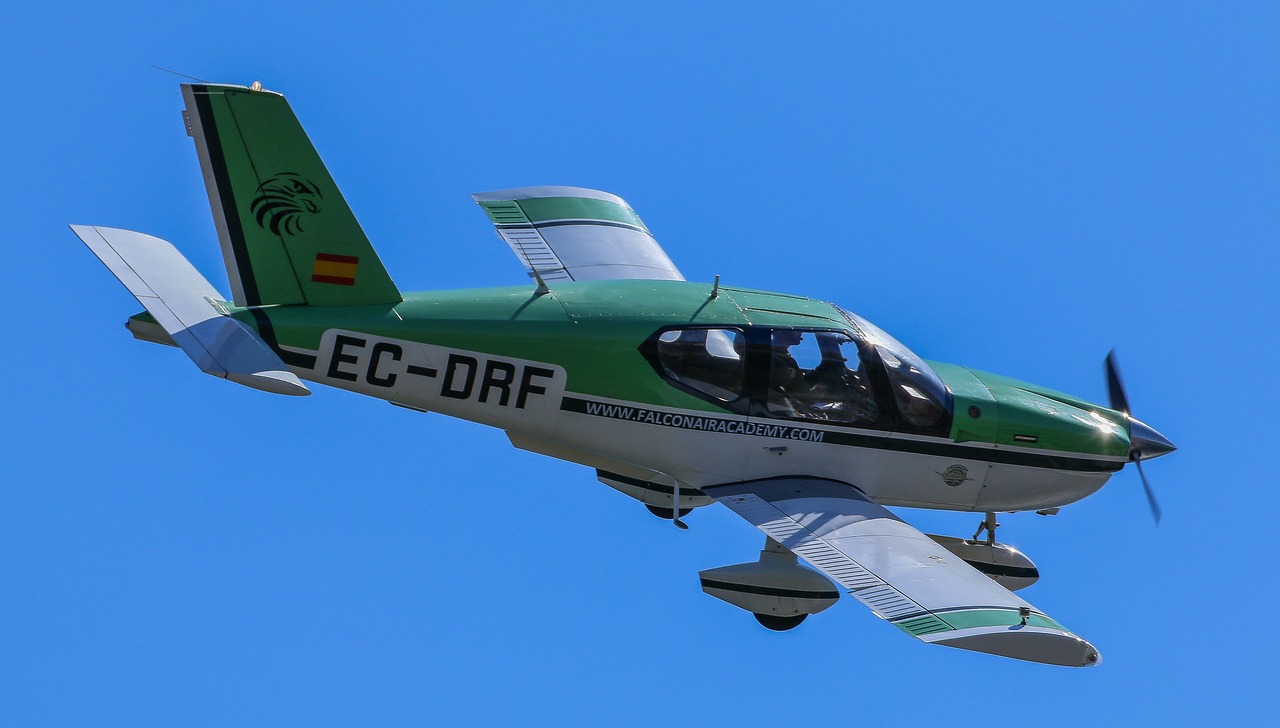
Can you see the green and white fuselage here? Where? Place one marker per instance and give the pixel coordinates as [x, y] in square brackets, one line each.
[564, 374]
[800, 416]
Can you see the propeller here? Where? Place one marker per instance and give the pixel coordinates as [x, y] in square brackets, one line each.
[1144, 441]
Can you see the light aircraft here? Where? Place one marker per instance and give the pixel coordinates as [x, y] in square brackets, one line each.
[798, 415]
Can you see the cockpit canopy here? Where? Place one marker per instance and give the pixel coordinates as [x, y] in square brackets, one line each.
[858, 376]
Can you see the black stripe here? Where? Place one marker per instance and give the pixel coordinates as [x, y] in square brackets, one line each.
[226, 196]
[1022, 572]
[421, 371]
[879, 442]
[964, 452]
[268, 333]
[770, 591]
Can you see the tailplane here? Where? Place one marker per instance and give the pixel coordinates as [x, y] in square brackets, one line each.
[287, 234]
[187, 311]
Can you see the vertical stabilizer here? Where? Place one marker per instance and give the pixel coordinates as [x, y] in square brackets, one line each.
[287, 234]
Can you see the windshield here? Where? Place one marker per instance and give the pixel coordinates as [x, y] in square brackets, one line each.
[924, 404]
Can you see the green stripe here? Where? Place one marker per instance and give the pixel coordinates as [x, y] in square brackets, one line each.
[577, 208]
[972, 618]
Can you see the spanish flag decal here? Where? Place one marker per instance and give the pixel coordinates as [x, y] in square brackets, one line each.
[339, 270]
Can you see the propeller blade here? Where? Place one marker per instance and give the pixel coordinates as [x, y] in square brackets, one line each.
[1115, 386]
[1144, 442]
[1151, 496]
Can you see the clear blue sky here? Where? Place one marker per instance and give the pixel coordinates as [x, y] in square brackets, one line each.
[1013, 188]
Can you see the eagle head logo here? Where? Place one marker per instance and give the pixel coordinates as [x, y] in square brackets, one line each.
[284, 202]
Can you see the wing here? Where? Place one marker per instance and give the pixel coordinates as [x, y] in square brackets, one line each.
[900, 573]
[576, 234]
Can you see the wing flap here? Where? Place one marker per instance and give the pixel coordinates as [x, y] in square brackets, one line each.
[576, 234]
[901, 574]
[182, 303]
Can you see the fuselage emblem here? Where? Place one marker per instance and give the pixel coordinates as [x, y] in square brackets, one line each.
[955, 475]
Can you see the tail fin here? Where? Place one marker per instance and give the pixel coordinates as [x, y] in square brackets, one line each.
[288, 236]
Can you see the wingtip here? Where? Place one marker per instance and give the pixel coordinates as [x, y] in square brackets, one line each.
[1047, 646]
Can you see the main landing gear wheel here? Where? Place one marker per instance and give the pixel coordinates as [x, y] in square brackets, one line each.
[779, 624]
[666, 513]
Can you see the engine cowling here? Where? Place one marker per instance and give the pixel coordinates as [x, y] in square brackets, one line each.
[776, 589]
[1007, 566]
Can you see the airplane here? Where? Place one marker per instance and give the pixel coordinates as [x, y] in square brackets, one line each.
[801, 417]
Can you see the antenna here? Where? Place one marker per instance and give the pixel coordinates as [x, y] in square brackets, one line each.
[715, 287]
[183, 75]
[675, 508]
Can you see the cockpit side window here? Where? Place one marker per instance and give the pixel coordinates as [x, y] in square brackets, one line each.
[712, 362]
[819, 375]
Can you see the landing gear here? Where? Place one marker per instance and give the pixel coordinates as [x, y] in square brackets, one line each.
[671, 514]
[667, 514]
[675, 508]
[989, 525]
[779, 624]
[776, 589]
[1006, 565]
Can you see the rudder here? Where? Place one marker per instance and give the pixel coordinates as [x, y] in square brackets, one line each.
[287, 234]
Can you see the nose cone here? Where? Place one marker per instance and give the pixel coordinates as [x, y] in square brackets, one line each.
[1146, 443]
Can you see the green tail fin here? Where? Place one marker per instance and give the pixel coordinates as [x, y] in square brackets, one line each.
[288, 236]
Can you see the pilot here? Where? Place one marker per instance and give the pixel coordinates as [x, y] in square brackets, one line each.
[787, 385]
[840, 393]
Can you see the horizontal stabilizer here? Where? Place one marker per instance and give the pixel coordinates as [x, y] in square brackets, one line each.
[182, 303]
[576, 234]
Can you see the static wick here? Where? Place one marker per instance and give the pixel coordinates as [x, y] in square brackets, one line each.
[715, 287]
